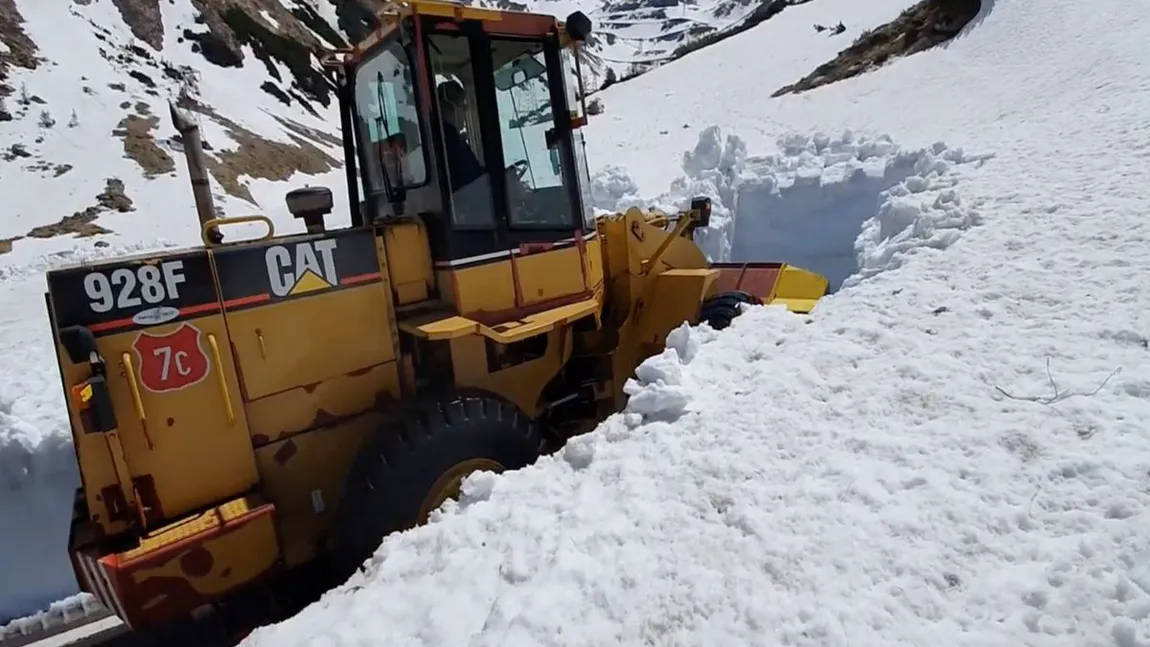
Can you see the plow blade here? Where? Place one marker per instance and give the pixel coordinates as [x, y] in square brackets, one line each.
[778, 283]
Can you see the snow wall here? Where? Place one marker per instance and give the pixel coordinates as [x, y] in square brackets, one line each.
[847, 206]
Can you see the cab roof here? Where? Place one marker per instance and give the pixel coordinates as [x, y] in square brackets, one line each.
[496, 21]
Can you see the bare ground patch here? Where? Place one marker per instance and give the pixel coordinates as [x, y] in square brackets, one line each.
[140, 145]
[925, 25]
[262, 158]
[82, 223]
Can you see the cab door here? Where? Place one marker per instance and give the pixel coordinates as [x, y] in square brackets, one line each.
[520, 225]
[544, 206]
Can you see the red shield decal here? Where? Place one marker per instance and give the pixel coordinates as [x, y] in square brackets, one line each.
[173, 361]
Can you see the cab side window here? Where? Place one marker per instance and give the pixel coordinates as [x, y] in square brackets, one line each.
[459, 127]
[536, 195]
[388, 121]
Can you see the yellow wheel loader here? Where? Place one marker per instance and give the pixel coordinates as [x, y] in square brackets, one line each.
[251, 417]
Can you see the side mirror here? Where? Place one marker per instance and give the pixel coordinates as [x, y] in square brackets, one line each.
[578, 26]
[311, 203]
[701, 207]
[79, 342]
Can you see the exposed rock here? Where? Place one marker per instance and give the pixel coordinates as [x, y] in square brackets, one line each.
[44, 166]
[925, 25]
[144, 19]
[357, 18]
[15, 151]
[316, 23]
[765, 11]
[113, 197]
[234, 24]
[19, 49]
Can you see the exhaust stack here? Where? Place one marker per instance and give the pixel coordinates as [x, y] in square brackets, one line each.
[197, 170]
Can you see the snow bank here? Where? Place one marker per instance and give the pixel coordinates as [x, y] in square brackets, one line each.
[37, 467]
[62, 612]
[847, 207]
[38, 475]
[873, 498]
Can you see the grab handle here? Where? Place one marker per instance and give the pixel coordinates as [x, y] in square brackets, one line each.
[137, 399]
[214, 225]
[221, 379]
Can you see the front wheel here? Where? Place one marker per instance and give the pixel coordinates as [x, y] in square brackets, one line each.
[411, 467]
[718, 310]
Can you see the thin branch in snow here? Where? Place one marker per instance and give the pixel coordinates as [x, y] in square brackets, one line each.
[1057, 395]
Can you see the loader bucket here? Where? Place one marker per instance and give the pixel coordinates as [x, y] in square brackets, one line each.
[777, 283]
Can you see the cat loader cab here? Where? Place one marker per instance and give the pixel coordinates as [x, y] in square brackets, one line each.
[251, 417]
[464, 122]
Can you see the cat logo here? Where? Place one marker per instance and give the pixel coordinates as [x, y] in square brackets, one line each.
[301, 268]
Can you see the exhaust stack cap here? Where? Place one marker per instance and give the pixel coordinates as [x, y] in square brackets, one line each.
[578, 26]
[311, 203]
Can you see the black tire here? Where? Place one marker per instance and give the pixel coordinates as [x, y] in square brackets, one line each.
[397, 469]
[718, 310]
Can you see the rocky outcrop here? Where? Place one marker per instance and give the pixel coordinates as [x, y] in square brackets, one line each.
[927, 24]
[16, 48]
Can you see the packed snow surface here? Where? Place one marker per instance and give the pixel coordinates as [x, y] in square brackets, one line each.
[952, 450]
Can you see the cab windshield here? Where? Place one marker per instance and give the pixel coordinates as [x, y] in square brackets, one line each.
[532, 175]
[525, 117]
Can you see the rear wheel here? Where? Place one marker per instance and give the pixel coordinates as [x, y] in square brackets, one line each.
[718, 310]
[410, 468]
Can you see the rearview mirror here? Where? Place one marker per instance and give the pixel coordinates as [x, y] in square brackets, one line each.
[520, 71]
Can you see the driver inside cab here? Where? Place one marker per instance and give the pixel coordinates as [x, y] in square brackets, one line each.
[464, 166]
[462, 163]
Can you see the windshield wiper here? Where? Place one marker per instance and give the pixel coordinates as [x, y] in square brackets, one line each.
[393, 191]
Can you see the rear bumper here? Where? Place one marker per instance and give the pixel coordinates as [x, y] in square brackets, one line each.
[177, 568]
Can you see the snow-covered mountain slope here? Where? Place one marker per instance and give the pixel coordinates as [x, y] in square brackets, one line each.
[951, 450]
[632, 37]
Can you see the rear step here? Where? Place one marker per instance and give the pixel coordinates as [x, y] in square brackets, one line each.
[184, 565]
